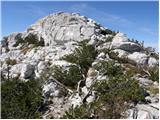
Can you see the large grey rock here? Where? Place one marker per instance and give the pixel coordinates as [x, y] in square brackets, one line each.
[24, 70]
[120, 37]
[139, 58]
[120, 41]
[42, 66]
[51, 89]
[143, 111]
[147, 112]
[152, 62]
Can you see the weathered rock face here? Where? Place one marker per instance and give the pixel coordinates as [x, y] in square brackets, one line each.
[120, 41]
[62, 27]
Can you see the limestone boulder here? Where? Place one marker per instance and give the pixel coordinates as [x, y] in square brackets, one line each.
[152, 62]
[139, 58]
[24, 70]
[120, 41]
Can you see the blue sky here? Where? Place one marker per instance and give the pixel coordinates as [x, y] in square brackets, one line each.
[139, 20]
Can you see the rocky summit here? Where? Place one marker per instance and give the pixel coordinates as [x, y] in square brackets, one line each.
[84, 71]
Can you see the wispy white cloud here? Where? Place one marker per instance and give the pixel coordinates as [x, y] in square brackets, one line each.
[147, 30]
[84, 8]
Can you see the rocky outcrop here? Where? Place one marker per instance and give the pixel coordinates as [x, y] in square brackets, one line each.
[60, 33]
[60, 28]
[120, 41]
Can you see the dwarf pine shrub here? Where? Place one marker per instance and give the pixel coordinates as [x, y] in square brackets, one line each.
[82, 112]
[83, 56]
[114, 95]
[68, 77]
[107, 31]
[108, 68]
[19, 40]
[11, 61]
[30, 39]
[154, 74]
[20, 99]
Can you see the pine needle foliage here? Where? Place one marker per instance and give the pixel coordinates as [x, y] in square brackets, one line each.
[83, 56]
[20, 99]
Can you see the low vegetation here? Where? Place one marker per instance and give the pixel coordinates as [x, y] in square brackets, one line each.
[154, 74]
[83, 56]
[108, 68]
[11, 61]
[107, 31]
[19, 40]
[115, 97]
[20, 99]
[30, 39]
[114, 94]
[101, 42]
[123, 59]
[68, 77]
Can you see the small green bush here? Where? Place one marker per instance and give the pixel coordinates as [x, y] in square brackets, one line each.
[109, 39]
[109, 68]
[155, 55]
[67, 77]
[11, 61]
[82, 112]
[154, 74]
[20, 100]
[30, 39]
[104, 50]
[121, 86]
[107, 31]
[83, 56]
[123, 59]
[19, 40]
